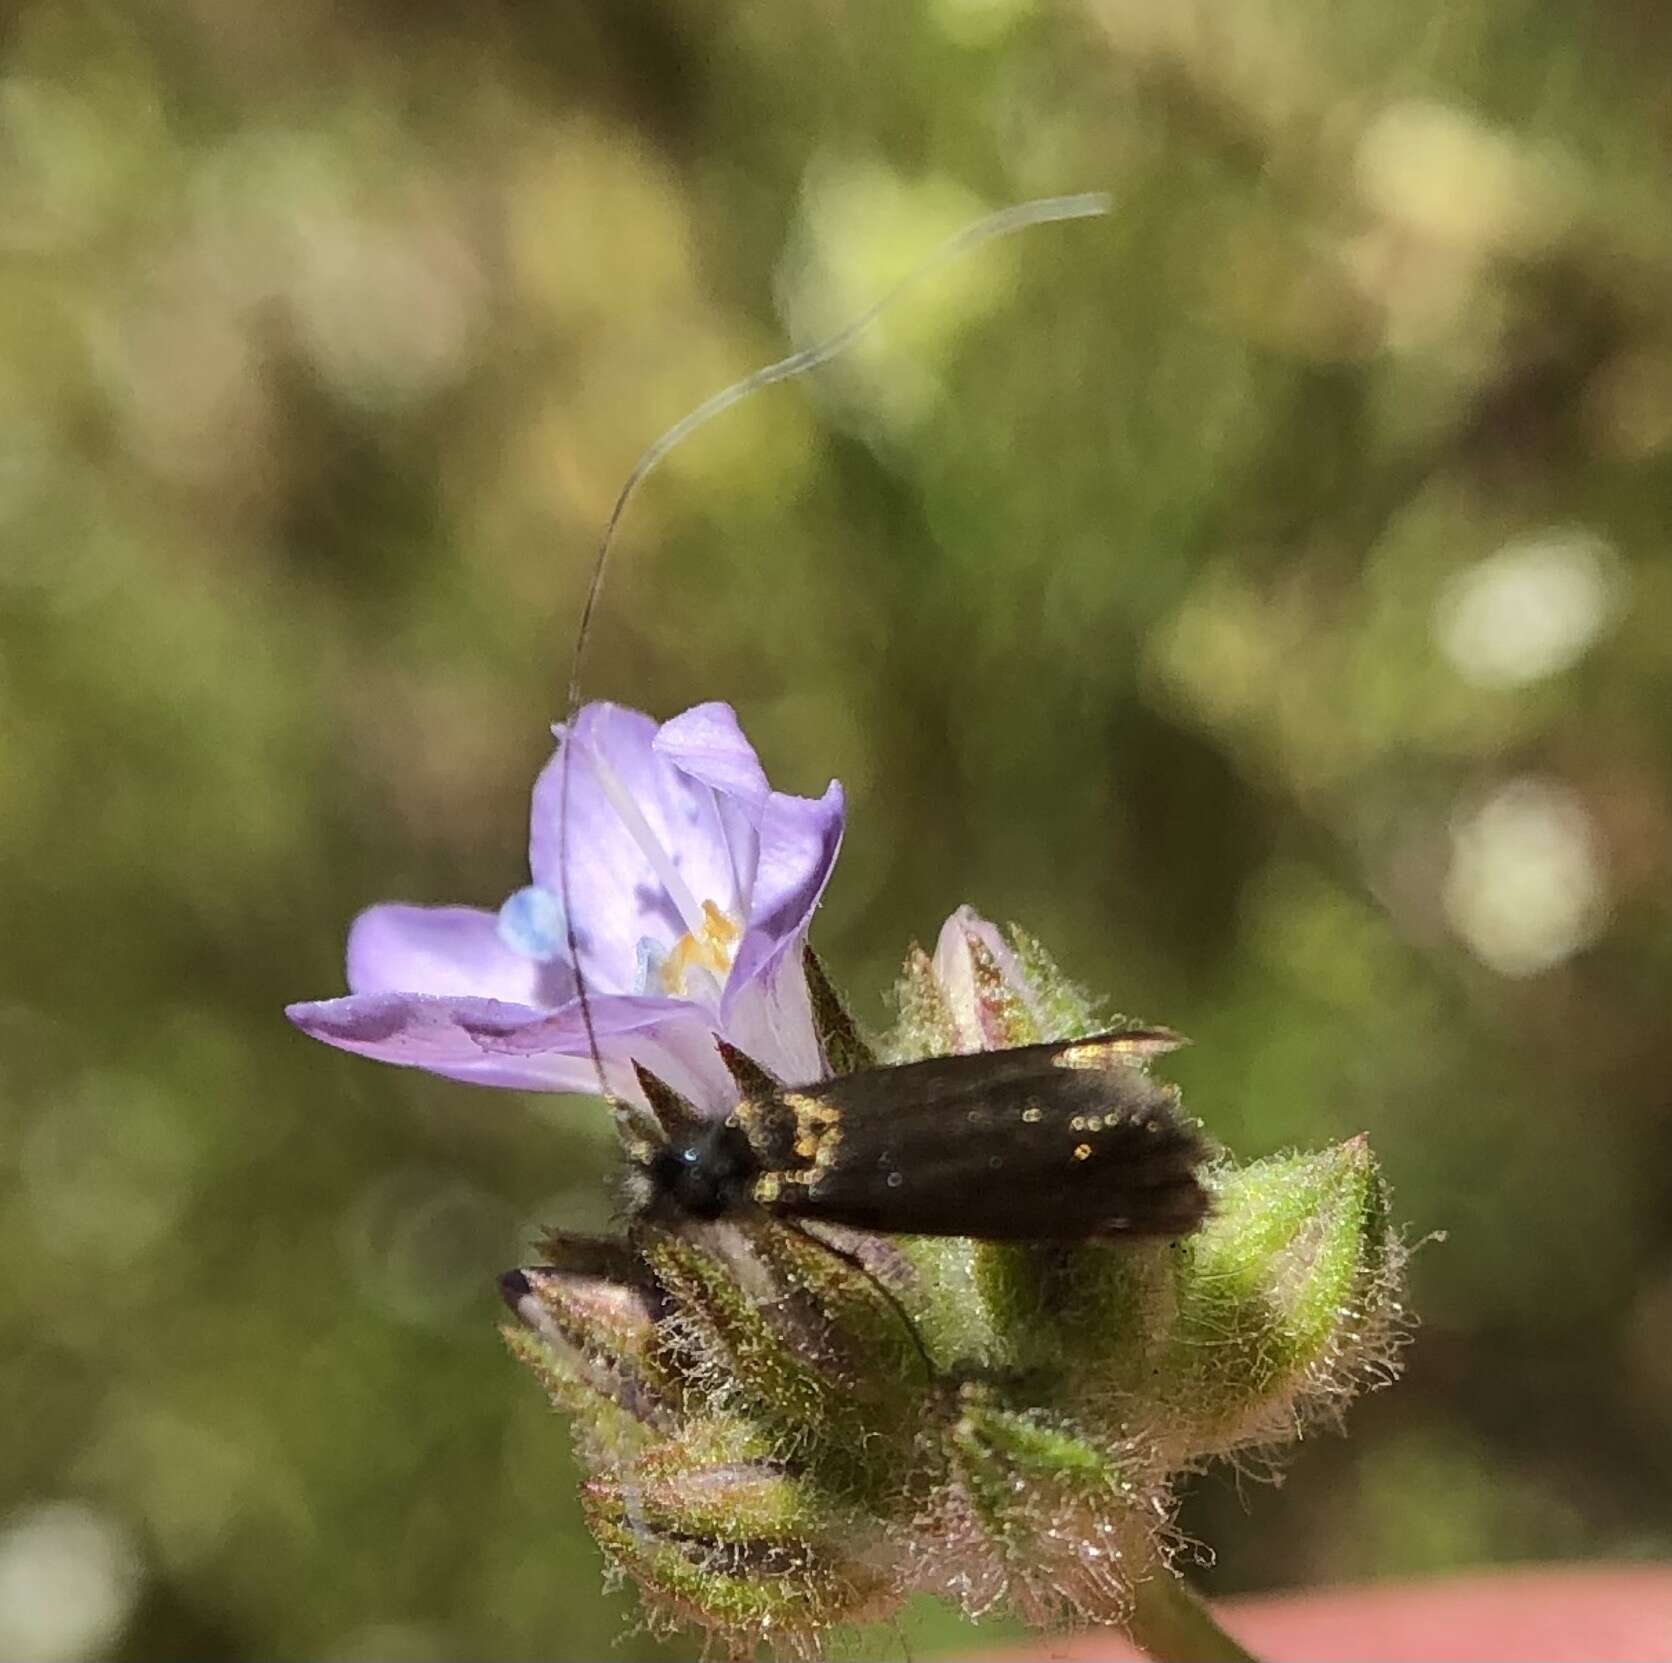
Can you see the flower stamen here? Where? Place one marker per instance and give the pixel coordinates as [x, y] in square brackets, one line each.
[708, 950]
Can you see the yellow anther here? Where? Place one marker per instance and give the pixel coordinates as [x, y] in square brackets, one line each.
[711, 949]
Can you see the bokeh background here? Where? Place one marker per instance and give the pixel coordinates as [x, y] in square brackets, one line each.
[1262, 594]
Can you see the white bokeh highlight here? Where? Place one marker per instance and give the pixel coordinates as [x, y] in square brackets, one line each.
[69, 1576]
[1526, 888]
[1531, 610]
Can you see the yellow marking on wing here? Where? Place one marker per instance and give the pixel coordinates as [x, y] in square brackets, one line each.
[1118, 1050]
[818, 1128]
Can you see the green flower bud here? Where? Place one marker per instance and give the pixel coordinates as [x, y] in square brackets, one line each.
[715, 1533]
[990, 991]
[926, 1027]
[1288, 1300]
[589, 1331]
[807, 1340]
[1064, 1520]
[974, 995]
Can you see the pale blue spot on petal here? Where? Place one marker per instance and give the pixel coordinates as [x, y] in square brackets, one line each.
[647, 970]
[531, 923]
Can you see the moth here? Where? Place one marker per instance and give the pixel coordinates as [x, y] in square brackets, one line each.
[1063, 1141]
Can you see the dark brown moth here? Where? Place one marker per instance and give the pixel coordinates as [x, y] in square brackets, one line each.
[1062, 1141]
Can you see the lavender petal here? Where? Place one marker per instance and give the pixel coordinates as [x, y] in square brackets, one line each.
[444, 1035]
[707, 743]
[800, 839]
[396, 948]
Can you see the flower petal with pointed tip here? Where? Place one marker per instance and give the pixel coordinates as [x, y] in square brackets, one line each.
[707, 744]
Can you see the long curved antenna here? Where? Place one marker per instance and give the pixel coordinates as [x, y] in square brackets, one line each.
[1040, 211]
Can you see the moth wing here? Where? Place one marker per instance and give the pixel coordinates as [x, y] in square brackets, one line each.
[1060, 1141]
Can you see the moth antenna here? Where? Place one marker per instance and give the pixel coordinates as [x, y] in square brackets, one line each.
[1040, 211]
[752, 1080]
[676, 1116]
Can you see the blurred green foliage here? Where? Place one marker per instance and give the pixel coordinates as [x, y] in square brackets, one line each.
[1261, 594]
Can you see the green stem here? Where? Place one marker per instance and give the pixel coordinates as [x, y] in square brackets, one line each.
[1174, 1626]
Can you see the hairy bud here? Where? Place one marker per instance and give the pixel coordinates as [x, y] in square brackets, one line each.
[790, 1427]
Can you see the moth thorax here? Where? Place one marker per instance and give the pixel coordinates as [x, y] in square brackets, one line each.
[705, 1176]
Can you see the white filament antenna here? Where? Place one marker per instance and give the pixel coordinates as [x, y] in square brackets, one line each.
[1040, 211]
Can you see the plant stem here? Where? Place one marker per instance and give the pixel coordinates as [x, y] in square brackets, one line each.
[1174, 1625]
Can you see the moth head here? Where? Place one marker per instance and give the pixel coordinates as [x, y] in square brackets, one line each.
[704, 1177]
[692, 1166]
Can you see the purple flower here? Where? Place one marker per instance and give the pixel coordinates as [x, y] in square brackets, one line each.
[692, 885]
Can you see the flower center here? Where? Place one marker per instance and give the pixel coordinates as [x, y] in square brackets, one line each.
[697, 955]
[695, 967]
[697, 964]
